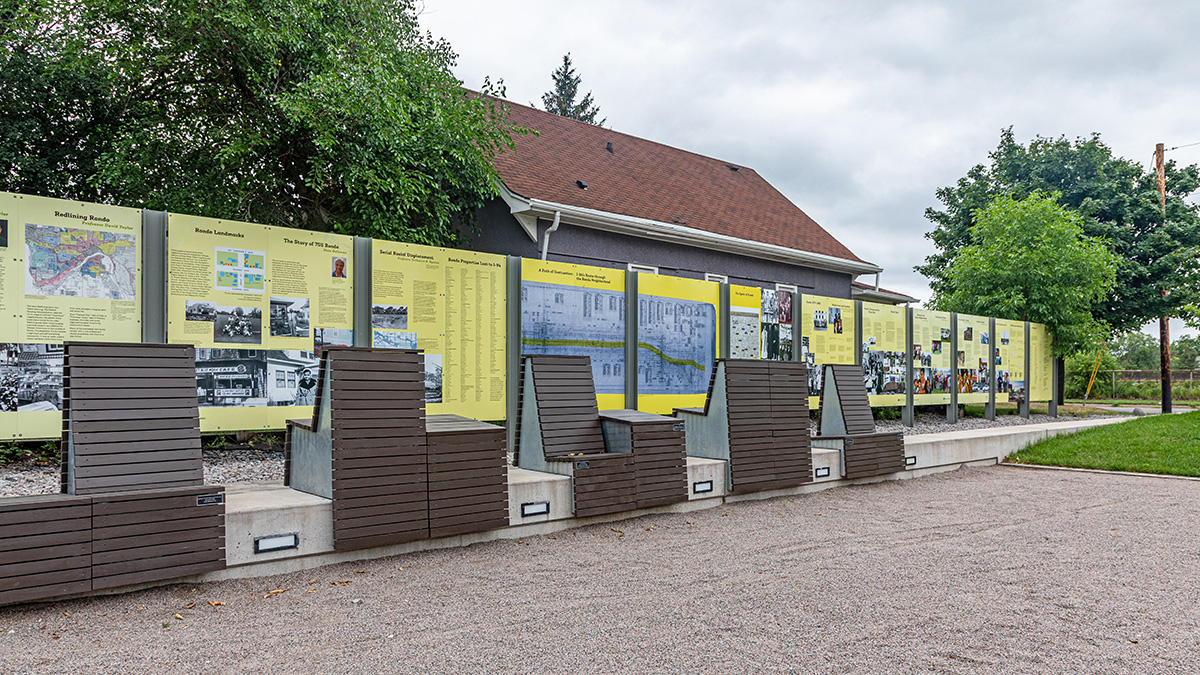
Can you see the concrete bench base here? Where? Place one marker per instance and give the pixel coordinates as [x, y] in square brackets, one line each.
[258, 510]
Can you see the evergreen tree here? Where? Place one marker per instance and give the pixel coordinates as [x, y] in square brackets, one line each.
[561, 99]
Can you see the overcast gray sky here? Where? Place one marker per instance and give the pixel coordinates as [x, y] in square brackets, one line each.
[856, 111]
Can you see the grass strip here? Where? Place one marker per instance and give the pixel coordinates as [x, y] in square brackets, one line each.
[1166, 444]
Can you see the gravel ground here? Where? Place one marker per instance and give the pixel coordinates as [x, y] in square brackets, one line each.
[982, 570]
[266, 464]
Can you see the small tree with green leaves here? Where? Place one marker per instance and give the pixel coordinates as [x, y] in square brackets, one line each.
[561, 99]
[1031, 261]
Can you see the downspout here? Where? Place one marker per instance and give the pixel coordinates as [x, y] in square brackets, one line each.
[546, 238]
[877, 281]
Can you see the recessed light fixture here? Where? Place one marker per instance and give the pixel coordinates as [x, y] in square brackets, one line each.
[276, 542]
[910, 460]
[701, 487]
[535, 509]
[823, 472]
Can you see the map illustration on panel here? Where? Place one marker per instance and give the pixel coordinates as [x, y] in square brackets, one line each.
[677, 344]
[63, 261]
[577, 321]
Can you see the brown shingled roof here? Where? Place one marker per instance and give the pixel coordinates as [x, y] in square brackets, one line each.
[650, 180]
[871, 287]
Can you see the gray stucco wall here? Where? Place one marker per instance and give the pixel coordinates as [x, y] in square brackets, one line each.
[500, 233]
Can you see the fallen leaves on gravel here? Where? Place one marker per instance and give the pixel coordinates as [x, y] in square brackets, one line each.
[216, 603]
[179, 616]
[276, 592]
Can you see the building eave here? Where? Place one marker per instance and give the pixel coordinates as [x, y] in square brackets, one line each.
[870, 295]
[527, 211]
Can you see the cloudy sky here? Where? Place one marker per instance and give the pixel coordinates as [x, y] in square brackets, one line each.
[857, 111]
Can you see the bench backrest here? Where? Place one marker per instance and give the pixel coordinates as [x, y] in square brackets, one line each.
[845, 408]
[565, 394]
[131, 419]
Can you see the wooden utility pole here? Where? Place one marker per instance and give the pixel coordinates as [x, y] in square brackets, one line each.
[1164, 326]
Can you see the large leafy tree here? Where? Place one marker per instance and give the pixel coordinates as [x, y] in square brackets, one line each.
[320, 114]
[1119, 202]
[561, 99]
[1030, 260]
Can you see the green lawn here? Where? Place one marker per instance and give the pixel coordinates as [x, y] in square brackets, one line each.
[1157, 444]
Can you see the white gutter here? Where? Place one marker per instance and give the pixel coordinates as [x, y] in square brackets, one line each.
[674, 234]
[546, 238]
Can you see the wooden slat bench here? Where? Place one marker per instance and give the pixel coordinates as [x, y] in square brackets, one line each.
[619, 460]
[755, 418]
[45, 547]
[394, 476]
[364, 447]
[138, 510]
[848, 426]
[468, 476]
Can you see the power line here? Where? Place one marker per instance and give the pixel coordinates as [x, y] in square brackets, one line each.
[1182, 146]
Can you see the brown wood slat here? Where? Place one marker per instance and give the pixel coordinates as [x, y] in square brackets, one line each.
[132, 416]
[45, 547]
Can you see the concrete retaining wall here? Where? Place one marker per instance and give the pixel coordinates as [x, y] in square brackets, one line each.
[255, 511]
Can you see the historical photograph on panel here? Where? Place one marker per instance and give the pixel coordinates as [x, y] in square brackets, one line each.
[39, 369]
[389, 317]
[968, 333]
[291, 377]
[785, 307]
[231, 377]
[433, 378]
[580, 321]
[10, 377]
[769, 341]
[883, 372]
[289, 317]
[677, 345]
[810, 363]
[785, 342]
[945, 334]
[835, 319]
[332, 337]
[743, 329]
[240, 325]
[770, 306]
[935, 347]
[394, 339]
[820, 319]
[199, 310]
[983, 338]
[974, 380]
[3, 233]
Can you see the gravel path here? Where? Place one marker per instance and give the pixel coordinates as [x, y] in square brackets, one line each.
[983, 570]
